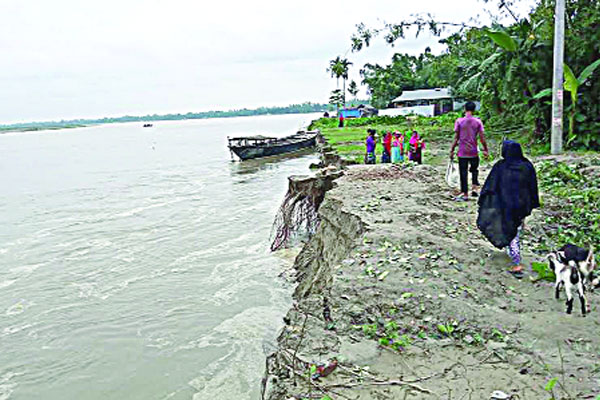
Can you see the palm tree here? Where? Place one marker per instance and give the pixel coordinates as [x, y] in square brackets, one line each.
[345, 65]
[338, 67]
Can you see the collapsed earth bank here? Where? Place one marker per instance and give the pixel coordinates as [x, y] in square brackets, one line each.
[399, 296]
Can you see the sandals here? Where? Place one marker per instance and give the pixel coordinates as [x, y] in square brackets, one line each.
[516, 271]
[461, 198]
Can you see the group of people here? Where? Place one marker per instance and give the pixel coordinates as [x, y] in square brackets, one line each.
[394, 147]
[510, 191]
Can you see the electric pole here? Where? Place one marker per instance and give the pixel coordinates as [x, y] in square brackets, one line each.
[556, 142]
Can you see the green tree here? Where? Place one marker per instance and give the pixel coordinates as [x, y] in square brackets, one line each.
[338, 67]
[353, 89]
[336, 98]
[503, 66]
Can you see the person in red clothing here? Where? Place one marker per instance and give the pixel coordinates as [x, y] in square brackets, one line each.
[341, 124]
[468, 130]
[387, 148]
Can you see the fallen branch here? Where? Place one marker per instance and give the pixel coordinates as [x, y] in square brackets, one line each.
[350, 385]
[322, 389]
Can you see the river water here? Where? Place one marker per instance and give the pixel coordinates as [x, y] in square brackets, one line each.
[134, 261]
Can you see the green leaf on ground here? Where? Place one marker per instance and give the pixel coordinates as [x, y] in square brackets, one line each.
[550, 385]
[544, 272]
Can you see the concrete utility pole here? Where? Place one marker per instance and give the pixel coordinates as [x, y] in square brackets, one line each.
[556, 142]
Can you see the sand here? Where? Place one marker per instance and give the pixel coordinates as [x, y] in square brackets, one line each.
[396, 260]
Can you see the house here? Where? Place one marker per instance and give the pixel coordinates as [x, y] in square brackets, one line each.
[358, 112]
[425, 101]
[350, 113]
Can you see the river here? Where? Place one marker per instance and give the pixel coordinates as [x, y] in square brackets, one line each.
[134, 262]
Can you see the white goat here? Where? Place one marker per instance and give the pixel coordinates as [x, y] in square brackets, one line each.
[569, 276]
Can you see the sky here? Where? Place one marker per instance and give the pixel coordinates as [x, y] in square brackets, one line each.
[66, 59]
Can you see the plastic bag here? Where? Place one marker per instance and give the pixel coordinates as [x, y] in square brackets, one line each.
[452, 178]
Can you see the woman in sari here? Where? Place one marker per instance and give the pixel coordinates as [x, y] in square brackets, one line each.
[397, 148]
[416, 146]
[387, 148]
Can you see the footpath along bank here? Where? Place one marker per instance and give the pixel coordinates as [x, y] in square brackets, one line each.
[399, 296]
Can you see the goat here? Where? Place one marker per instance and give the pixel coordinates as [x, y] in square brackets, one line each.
[585, 260]
[569, 276]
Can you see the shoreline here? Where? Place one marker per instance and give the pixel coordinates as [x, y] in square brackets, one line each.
[398, 286]
[82, 123]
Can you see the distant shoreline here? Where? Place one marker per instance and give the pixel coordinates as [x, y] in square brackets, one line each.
[305, 108]
[4, 129]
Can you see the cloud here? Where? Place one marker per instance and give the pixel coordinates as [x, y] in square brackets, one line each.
[67, 59]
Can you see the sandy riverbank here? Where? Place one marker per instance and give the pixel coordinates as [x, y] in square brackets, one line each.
[421, 305]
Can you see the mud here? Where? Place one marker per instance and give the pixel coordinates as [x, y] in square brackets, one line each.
[400, 288]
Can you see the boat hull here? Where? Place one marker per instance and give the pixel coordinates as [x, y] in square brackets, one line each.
[250, 152]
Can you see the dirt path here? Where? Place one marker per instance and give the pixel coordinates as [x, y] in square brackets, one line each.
[421, 305]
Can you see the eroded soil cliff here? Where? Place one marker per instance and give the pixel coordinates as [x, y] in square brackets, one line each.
[400, 288]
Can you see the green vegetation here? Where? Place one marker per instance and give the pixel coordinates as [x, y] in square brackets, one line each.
[349, 141]
[438, 131]
[303, 108]
[338, 68]
[577, 219]
[387, 334]
[506, 67]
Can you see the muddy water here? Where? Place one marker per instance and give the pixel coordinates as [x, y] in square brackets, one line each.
[134, 261]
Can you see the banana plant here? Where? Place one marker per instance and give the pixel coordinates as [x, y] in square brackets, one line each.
[502, 39]
[572, 85]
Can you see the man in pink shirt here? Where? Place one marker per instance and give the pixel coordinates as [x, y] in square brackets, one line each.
[468, 129]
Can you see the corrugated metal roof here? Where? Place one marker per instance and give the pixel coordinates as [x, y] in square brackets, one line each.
[423, 94]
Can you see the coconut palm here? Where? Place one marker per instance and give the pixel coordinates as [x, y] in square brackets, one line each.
[338, 67]
[345, 65]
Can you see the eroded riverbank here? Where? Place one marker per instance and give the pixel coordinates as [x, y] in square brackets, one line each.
[401, 289]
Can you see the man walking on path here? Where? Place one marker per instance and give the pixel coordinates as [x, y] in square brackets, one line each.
[468, 129]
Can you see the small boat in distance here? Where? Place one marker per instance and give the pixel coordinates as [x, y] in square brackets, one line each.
[147, 126]
[249, 147]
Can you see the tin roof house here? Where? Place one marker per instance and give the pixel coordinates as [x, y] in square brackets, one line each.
[429, 101]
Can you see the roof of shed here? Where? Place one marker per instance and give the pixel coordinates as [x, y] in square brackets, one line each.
[424, 94]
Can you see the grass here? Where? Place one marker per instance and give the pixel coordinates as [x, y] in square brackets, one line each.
[349, 140]
[576, 219]
[437, 132]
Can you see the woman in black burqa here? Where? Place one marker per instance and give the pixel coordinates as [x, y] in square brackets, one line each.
[509, 195]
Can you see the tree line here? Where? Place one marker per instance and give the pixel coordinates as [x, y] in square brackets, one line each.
[507, 67]
[303, 108]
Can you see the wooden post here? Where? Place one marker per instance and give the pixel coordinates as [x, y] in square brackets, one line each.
[556, 142]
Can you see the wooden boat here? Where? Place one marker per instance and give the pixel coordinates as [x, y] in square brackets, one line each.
[250, 147]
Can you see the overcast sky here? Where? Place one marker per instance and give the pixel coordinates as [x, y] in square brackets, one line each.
[64, 59]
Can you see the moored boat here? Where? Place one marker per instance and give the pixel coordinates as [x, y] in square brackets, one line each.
[249, 147]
